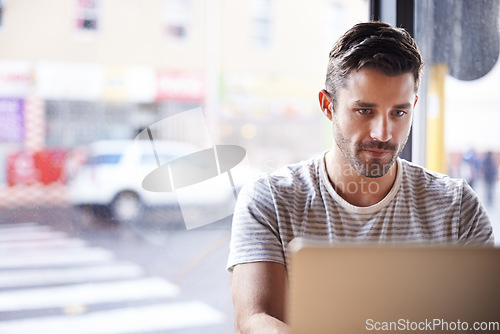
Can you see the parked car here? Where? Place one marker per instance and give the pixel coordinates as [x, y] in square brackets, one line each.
[110, 181]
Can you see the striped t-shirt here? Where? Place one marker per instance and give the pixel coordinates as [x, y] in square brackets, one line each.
[299, 201]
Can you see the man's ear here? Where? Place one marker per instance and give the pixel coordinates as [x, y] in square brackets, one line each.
[326, 104]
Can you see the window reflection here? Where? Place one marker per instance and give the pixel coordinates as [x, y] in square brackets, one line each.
[97, 72]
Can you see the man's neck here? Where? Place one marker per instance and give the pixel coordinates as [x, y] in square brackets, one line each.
[356, 189]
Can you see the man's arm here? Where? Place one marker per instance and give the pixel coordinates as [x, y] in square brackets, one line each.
[259, 292]
[475, 225]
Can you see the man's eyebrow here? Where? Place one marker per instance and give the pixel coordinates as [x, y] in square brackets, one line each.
[402, 106]
[361, 104]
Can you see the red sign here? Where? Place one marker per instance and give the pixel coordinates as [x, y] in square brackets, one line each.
[16, 78]
[40, 167]
[180, 86]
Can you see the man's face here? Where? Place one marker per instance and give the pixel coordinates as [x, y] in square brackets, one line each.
[372, 120]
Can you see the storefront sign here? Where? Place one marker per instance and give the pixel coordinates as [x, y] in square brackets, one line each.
[129, 84]
[15, 78]
[181, 86]
[12, 116]
[69, 81]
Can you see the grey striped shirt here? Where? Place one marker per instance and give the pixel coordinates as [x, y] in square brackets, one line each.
[299, 201]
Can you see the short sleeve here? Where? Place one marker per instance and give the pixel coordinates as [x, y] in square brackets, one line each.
[255, 236]
[475, 225]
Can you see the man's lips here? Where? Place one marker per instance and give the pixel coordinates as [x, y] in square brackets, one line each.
[374, 153]
[377, 149]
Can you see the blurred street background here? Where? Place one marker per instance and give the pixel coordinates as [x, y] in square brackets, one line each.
[64, 271]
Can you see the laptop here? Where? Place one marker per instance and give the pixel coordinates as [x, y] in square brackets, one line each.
[393, 289]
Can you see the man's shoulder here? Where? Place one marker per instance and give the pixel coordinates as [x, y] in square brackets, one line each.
[283, 183]
[421, 177]
[299, 172]
[291, 177]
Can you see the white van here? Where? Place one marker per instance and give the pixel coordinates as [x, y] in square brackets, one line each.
[110, 181]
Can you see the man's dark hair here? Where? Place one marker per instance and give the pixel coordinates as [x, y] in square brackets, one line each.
[374, 45]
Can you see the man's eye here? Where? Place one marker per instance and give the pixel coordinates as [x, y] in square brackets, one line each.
[364, 111]
[399, 113]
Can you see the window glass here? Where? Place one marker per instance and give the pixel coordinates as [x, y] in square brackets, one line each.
[1, 12]
[150, 159]
[261, 12]
[138, 240]
[460, 42]
[178, 16]
[87, 14]
[108, 159]
[335, 16]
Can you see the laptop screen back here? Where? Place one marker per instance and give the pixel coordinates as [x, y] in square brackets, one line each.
[374, 289]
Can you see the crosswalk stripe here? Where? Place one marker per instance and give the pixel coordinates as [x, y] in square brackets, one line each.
[57, 258]
[23, 228]
[47, 253]
[33, 235]
[17, 225]
[126, 320]
[47, 269]
[90, 293]
[40, 277]
[22, 246]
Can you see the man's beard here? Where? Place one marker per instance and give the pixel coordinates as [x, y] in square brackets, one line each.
[373, 168]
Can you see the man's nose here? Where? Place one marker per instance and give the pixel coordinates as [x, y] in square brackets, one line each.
[381, 129]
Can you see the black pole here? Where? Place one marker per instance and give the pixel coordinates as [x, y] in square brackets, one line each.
[405, 15]
[375, 10]
[405, 18]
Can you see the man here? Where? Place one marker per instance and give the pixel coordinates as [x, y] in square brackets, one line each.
[357, 191]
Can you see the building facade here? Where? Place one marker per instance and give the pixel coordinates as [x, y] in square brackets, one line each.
[72, 72]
